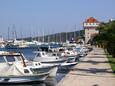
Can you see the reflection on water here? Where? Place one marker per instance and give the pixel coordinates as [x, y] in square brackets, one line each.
[51, 82]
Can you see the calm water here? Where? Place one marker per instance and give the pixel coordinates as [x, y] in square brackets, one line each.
[29, 54]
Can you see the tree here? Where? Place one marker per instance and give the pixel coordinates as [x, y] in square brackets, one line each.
[106, 36]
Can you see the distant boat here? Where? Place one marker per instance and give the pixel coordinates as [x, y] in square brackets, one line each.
[22, 44]
[67, 65]
[69, 53]
[11, 46]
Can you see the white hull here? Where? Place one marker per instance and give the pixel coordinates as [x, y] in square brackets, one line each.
[53, 72]
[45, 58]
[68, 64]
[54, 62]
[23, 79]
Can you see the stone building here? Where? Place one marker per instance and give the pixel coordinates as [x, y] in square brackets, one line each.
[90, 26]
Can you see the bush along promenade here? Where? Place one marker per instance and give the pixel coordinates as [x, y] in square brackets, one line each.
[112, 62]
[106, 40]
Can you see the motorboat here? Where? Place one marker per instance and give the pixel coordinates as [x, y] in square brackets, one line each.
[15, 69]
[68, 65]
[43, 57]
[82, 51]
[51, 68]
[38, 66]
[70, 54]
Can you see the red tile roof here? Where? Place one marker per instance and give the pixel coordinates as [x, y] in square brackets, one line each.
[91, 20]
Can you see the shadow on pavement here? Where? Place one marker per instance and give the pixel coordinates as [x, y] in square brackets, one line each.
[92, 70]
[94, 62]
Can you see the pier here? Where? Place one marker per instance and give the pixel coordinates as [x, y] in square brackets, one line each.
[93, 70]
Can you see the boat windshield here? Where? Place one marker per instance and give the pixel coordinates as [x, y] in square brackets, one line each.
[70, 49]
[2, 59]
[10, 58]
[38, 55]
[43, 53]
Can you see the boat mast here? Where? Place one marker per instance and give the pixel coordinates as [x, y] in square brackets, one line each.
[14, 32]
[60, 38]
[66, 37]
[48, 38]
[75, 33]
[8, 33]
[38, 34]
[43, 35]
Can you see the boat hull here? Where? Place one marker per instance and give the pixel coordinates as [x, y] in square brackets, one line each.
[23, 78]
[68, 65]
[52, 69]
[56, 62]
[53, 72]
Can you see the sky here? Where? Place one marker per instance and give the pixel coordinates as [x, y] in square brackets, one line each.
[42, 17]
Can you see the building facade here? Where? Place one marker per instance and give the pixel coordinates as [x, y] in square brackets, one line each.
[90, 26]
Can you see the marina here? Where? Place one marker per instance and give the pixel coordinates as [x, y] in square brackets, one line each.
[69, 63]
[57, 43]
[30, 54]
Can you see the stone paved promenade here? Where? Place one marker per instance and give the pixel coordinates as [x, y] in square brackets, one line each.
[94, 70]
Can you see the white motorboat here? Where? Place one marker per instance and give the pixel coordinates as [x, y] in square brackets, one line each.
[70, 54]
[14, 69]
[68, 64]
[43, 57]
[45, 67]
[38, 66]
[82, 51]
